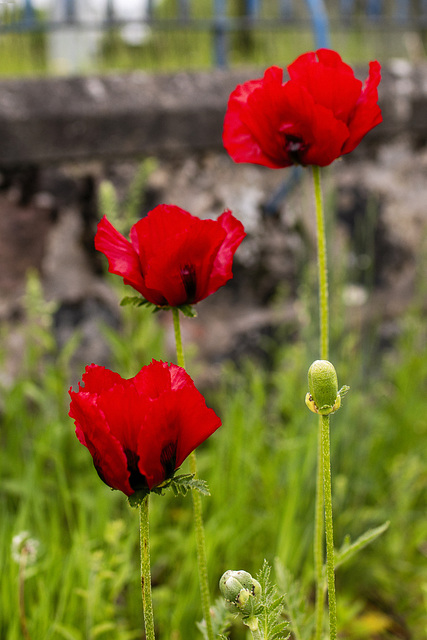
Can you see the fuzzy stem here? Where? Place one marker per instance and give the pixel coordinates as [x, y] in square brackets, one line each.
[197, 505]
[322, 267]
[147, 601]
[324, 354]
[327, 487]
[253, 625]
[22, 616]
[318, 538]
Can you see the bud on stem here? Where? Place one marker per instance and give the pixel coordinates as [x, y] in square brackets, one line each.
[241, 592]
[323, 396]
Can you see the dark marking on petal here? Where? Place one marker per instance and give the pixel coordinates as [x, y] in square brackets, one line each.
[168, 459]
[188, 275]
[137, 480]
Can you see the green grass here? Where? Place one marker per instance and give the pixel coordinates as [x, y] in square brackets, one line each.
[260, 469]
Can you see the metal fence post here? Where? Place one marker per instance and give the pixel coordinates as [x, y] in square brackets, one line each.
[319, 19]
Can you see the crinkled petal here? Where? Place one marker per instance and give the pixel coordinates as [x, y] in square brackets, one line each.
[249, 133]
[222, 267]
[93, 431]
[176, 423]
[367, 113]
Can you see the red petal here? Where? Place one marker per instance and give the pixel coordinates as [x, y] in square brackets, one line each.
[249, 133]
[97, 379]
[122, 257]
[178, 251]
[153, 379]
[176, 423]
[367, 113]
[93, 431]
[329, 81]
[222, 267]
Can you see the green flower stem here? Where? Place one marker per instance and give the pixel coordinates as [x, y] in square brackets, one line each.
[327, 487]
[180, 360]
[253, 625]
[197, 504]
[322, 267]
[324, 354]
[318, 538]
[147, 601]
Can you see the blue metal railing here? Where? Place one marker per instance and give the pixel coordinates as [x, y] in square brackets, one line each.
[257, 14]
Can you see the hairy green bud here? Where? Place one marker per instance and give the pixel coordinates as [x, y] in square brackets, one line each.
[240, 591]
[323, 396]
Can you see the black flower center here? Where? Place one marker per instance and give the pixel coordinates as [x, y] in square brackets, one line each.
[188, 275]
[295, 147]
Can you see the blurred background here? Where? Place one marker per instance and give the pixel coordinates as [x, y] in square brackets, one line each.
[68, 36]
[112, 107]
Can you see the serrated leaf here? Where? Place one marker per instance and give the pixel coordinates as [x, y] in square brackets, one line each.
[271, 607]
[135, 301]
[182, 484]
[138, 301]
[349, 549]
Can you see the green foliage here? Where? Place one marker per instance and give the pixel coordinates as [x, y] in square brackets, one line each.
[271, 607]
[260, 471]
[138, 301]
[180, 486]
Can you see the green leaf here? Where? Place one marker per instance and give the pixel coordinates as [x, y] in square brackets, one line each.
[270, 610]
[180, 485]
[349, 549]
[188, 310]
[137, 301]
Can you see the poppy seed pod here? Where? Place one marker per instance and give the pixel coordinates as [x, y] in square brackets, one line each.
[323, 396]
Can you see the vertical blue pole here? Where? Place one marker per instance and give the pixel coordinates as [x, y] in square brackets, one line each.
[252, 8]
[220, 34]
[29, 14]
[319, 19]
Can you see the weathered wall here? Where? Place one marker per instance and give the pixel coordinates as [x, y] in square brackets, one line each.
[84, 118]
[61, 137]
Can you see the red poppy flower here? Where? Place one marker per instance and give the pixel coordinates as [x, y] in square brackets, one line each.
[173, 258]
[139, 431]
[321, 113]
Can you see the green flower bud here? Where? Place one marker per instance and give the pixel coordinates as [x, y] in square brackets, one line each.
[239, 590]
[323, 396]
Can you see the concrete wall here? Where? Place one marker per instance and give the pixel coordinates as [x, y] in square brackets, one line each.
[119, 116]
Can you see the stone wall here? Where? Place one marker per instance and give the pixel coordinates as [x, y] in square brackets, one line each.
[61, 137]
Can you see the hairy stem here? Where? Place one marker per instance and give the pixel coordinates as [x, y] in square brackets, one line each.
[329, 527]
[22, 616]
[322, 267]
[324, 354]
[197, 505]
[147, 601]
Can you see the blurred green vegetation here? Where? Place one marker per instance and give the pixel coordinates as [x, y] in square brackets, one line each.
[260, 469]
[168, 48]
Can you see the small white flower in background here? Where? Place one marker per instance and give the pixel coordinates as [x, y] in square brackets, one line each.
[24, 546]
